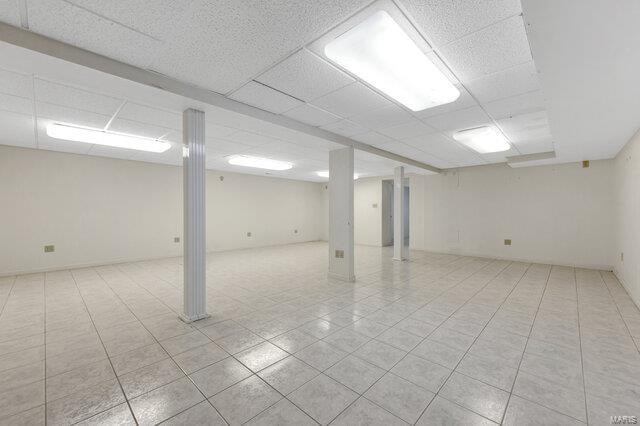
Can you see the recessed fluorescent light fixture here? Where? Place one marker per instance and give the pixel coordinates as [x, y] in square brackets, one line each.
[380, 52]
[259, 162]
[102, 137]
[484, 140]
[325, 174]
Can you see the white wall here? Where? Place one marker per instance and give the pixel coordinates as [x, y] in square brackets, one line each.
[367, 218]
[553, 214]
[100, 210]
[626, 215]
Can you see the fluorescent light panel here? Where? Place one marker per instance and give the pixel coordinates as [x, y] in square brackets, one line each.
[102, 137]
[483, 140]
[325, 174]
[381, 53]
[259, 162]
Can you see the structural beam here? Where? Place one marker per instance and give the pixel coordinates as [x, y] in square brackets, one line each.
[341, 249]
[400, 247]
[195, 286]
[57, 49]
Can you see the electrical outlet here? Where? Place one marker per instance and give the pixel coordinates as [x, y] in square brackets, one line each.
[295, 231]
[248, 234]
[375, 205]
[49, 248]
[339, 254]
[176, 239]
[507, 242]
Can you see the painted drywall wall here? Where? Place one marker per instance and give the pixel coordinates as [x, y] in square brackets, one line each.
[100, 210]
[553, 214]
[626, 217]
[367, 205]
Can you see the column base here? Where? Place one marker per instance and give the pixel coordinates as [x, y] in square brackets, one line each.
[189, 320]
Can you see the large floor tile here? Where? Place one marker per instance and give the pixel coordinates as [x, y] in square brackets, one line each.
[323, 398]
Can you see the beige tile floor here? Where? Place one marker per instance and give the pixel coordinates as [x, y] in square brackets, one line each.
[441, 339]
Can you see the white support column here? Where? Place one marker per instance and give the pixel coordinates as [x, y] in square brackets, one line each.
[195, 288]
[341, 215]
[400, 249]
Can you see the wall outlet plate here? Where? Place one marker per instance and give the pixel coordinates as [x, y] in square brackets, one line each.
[176, 239]
[49, 248]
[248, 234]
[507, 242]
[339, 254]
[295, 231]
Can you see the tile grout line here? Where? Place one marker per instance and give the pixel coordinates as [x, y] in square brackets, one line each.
[584, 379]
[105, 351]
[44, 319]
[453, 370]
[425, 338]
[524, 350]
[168, 354]
[370, 339]
[626, 326]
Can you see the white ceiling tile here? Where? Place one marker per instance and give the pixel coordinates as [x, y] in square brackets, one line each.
[122, 125]
[345, 128]
[443, 148]
[443, 22]
[352, 100]
[224, 146]
[490, 50]
[410, 129]
[500, 157]
[515, 105]
[314, 116]
[13, 83]
[217, 131]
[172, 157]
[464, 101]
[305, 76]
[9, 12]
[383, 118]
[63, 21]
[249, 138]
[510, 82]
[458, 120]
[266, 98]
[220, 45]
[17, 129]
[535, 146]
[152, 17]
[149, 115]
[111, 152]
[373, 138]
[60, 94]
[16, 104]
[51, 112]
[523, 127]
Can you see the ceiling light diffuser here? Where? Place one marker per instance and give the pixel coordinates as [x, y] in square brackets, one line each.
[381, 53]
[484, 140]
[102, 137]
[325, 174]
[259, 162]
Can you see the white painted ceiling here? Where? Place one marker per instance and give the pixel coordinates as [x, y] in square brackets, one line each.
[262, 54]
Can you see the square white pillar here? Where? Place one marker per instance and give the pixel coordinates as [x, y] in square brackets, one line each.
[400, 248]
[193, 161]
[341, 249]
